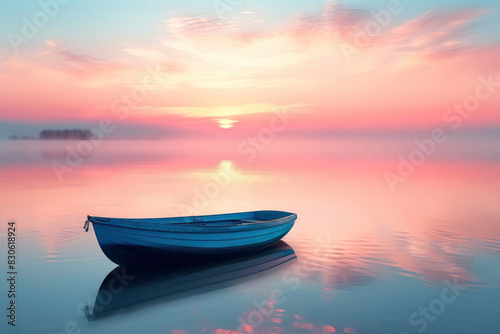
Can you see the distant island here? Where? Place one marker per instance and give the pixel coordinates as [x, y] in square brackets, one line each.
[74, 134]
[16, 137]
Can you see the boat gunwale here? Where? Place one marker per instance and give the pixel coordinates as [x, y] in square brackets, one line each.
[180, 228]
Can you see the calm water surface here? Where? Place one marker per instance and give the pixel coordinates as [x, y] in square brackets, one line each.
[422, 258]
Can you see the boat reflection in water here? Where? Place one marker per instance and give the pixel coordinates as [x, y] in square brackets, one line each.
[130, 287]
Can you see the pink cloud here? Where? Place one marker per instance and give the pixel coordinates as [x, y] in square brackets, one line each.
[439, 20]
[434, 30]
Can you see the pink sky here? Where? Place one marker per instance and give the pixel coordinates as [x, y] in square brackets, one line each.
[232, 73]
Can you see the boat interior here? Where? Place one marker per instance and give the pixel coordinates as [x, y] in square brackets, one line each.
[234, 219]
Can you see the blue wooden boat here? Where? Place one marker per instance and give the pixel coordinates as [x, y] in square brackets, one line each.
[133, 288]
[134, 240]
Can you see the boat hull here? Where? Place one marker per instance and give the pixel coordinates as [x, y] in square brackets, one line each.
[126, 244]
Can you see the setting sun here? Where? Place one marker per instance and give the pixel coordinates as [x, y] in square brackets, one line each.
[225, 123]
